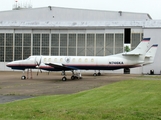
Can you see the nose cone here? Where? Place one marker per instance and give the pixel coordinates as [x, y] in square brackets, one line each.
[12, 64]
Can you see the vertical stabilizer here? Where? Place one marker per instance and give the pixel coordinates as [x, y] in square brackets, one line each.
[150, 55]
[141, 49]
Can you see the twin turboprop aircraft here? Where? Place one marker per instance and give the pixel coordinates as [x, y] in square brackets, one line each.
[135, 58]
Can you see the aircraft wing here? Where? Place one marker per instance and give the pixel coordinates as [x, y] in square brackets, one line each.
[60, 66]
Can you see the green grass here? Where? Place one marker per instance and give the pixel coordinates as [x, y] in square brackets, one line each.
[126, 100]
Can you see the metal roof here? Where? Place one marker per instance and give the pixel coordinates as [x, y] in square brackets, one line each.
[56, 17]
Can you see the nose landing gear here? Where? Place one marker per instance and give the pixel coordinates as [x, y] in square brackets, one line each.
[23, 77]
[63, 78]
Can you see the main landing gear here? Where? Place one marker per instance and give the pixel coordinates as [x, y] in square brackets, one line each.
[63, 78]
[74, 76]
[97, 74]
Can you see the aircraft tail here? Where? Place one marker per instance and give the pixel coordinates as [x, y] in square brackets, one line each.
[140, 49]
[150, 55]
[138, 54]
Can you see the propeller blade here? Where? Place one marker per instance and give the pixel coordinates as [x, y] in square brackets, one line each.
[38, 66]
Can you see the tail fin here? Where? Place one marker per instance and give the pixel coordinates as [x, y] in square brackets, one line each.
[140, 49]
[150, 55]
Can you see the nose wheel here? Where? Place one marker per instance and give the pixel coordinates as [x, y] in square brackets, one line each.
[23, 77]
[64, 78]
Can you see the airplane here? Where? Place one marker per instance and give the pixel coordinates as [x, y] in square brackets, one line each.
[131, 59]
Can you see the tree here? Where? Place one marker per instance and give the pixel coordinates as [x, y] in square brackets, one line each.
[126, 48]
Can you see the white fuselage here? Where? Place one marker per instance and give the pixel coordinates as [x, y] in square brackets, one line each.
[112, 62]
[130, 59]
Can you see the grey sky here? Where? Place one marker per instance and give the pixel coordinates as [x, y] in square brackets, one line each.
[153, 7]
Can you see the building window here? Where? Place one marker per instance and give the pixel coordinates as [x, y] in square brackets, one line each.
[1, 39]
[36, 44]
[1, 54]
[9, 54]
[45, 44]
[109, 44]
[81, 45]
[9, 47]
[26, 52]
[72, 45]
[55, 44]
[45, 40]
[18, 40]
[45, 51]
[2, 47]
[18, 47]
[27, 40]
[18, 53]
[63, 44]
[99, 44]
[119, 43]
[36, 40]
[9, 39]
[36, 50]
[26, 46]
[136, 38]
[90, 44]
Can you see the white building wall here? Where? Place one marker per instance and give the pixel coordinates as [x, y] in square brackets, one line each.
[155, 35]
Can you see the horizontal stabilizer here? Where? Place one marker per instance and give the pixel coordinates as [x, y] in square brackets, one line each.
[128, 54]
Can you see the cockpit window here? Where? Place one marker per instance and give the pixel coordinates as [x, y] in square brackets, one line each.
[29, 58]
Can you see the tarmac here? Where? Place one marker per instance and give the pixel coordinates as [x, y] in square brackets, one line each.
[13, 88]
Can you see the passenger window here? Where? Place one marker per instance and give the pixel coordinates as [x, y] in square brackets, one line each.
[92, 60]
[80, 60]
[49, 60]
[61, 59]
[73, 60]
[44, 59]
[55, 60]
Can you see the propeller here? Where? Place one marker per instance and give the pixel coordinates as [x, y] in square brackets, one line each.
[38, 66]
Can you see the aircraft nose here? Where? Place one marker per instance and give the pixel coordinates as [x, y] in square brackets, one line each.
[11, 64]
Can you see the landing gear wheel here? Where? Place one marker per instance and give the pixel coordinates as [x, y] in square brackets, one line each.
[64, 79]
[99, 74]
[72, 77]
[23, 77]
[94, 74]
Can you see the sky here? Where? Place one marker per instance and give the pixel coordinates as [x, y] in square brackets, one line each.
[152, 7]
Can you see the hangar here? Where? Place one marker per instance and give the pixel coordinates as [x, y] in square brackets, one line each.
[74, 32]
